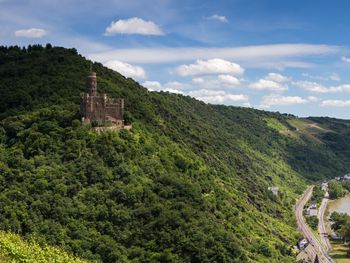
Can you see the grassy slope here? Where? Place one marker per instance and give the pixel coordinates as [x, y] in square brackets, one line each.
[189, 183]
[14, 249]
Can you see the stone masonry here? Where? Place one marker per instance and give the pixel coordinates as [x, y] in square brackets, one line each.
[99, 109]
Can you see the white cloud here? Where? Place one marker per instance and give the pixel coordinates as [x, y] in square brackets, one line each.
[152, 85]
[228, 80]
[334, 76]
[209, 67]
[133, 25]
[126, 69]
[345, 59]
[265, 84]
[335, 103]
[276, 77]
[218, 96]
[197, 80]
[342, 88]
[319, 88]
[222, 19]
[216, 82]
[311, 86]
[272, 56]
[278, 100]
[173, 90]
[307, 75]
[312, 99]
[172, 86]
[246, 104]
[31, 33]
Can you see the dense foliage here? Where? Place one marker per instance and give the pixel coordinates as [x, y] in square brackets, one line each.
[312, 221]
[341, 225]
[317, 195]
[335, 189]
[189, 183]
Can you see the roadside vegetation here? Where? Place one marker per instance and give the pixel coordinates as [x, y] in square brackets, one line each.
[336, 189]
[316, 199]
[340, 224]
[317, 195]
[312, 221]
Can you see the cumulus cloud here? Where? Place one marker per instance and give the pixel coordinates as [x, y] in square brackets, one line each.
[209, 67]
[312, 86]
[345, 59]
[197, 80]
[307, 75]
[265, 84]
[218, 96]
[216, 17]
[133, 25]
[276, 77]
[272, 56]
[126, 69]
[335, 103]
[228, 80]
[319, 88]
[333, 76]
[152, 85]
[31, 33]
[171, 86]
[174, 85]
[313, 99]
[279, 100]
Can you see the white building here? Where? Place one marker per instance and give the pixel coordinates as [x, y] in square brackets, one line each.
[273, 189]
[347, 177]
[311, 210]
[324, 187]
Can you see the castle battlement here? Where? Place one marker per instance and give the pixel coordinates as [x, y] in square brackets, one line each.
[100, 109]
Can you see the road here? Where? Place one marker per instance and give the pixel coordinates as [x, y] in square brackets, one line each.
[322, 230]
[316, 247]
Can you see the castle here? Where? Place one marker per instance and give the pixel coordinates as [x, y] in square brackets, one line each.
[100, 110]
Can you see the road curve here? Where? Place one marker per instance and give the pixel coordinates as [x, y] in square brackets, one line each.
[316, 247]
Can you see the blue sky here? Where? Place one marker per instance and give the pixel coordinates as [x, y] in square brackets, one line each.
[287, 56]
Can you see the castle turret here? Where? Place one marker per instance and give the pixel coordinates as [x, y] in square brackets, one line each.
[91, 84]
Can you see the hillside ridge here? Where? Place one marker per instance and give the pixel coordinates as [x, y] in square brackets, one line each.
[188, 183]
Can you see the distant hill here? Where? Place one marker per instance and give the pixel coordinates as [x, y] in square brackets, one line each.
[189, 183]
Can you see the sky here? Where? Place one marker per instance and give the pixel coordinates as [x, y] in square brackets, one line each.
[291, 56]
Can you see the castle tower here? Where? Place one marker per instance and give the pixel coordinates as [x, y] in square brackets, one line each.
[91, 84]
[100, 109]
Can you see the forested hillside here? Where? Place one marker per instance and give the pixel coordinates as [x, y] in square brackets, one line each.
[189, 182]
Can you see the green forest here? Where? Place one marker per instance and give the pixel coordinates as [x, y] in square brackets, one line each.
[188, 183]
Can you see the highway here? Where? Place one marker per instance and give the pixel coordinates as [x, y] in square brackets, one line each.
[322, 230]
[316, 247]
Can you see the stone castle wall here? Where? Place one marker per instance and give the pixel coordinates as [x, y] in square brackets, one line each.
[100, 108]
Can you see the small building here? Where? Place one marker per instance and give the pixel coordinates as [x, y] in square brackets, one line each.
[311, 210]
[324, 187]
[273, 189]
[302, 243]
[347, 177]
[100, 109]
